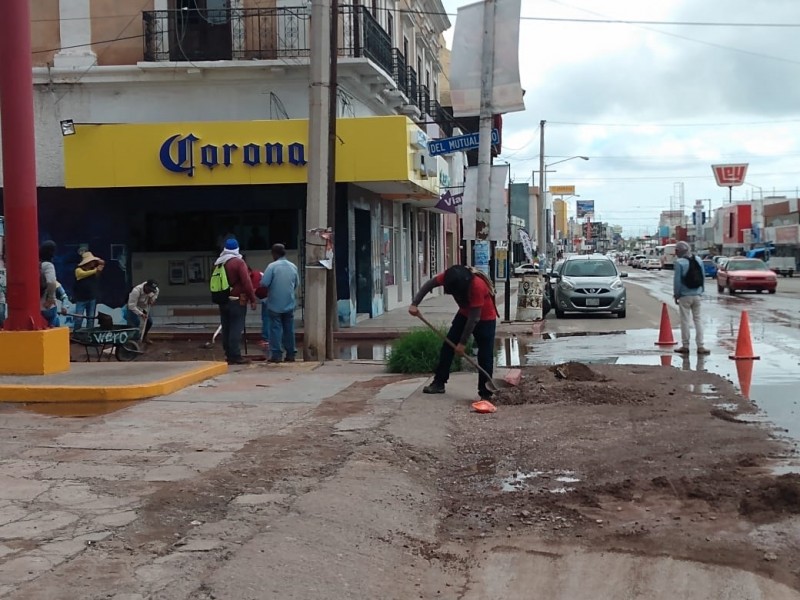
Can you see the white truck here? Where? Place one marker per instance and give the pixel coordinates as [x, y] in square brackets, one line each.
[782, 265]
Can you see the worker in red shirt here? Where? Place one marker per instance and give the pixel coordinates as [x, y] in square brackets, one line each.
[476, 316]
[232, 314]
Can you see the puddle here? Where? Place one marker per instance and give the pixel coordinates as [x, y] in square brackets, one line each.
[554, 335]
[786, 469]
[79, 410]
[727, 407]
[567, 479]
[516, 482]
[705, 389]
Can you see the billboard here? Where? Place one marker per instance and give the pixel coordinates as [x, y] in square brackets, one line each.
[583, 208]
[562, 190]
[730, 175]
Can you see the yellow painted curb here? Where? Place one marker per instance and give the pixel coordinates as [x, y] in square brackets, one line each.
[119, 393]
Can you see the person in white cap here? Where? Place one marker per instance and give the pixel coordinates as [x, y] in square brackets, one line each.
[688, 287]
[140, 301]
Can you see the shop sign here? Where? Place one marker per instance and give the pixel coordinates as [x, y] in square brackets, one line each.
[178, 154]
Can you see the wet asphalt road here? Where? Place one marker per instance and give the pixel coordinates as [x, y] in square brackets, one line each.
[775, 334]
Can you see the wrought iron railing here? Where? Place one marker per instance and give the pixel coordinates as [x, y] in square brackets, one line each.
[411, 85]
[424, 99]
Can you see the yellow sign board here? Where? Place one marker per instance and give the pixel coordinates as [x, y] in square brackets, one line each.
[562, 190]
[374, 149]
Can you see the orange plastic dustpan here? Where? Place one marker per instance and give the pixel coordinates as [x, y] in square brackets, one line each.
[484, 407]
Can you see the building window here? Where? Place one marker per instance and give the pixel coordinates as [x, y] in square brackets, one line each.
[390, 27]
[405, 48]
[375, 9]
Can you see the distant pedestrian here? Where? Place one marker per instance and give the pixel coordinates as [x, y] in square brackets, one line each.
[281, 280]
[476, 316]
[140, 301]
[48, 283]
[87, 288]
[688, 285]
[232, 313]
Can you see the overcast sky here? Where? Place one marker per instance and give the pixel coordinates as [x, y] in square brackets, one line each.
[655, 105]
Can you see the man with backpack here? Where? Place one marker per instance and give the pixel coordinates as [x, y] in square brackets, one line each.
[477, 316]
[232, 290]
[688, 286]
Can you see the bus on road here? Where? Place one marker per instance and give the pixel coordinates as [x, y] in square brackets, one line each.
[668, 256]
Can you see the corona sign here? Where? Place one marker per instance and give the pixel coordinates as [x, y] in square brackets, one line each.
[730, 175]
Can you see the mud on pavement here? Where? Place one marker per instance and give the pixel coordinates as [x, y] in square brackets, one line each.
[641, 460]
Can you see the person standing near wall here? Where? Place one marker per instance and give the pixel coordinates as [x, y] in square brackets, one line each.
[48, 283]
[281, 280]
[87, 288]
[232, 313]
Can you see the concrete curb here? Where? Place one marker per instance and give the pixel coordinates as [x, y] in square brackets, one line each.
[114, 393]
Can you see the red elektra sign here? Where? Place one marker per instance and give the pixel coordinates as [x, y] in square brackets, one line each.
[730, 175]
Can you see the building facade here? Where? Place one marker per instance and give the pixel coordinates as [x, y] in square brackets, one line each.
[190, 123]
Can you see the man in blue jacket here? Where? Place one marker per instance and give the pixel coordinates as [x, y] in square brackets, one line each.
[688, 296]
[281, 280]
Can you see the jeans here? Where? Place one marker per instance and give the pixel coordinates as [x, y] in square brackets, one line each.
[51, 316]
[264, 322]
[281, 332]
[85, 307]
[484, 339]
[134, 320]
[231, 317]
[690, 309]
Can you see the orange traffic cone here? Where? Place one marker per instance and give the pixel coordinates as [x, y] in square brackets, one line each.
[665, 334]
[744, 345]
[666, 360]
[744, 370]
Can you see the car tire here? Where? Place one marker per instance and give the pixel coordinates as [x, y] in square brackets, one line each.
[731, 290]
[772, 291]
[621, 314]
[559, 313]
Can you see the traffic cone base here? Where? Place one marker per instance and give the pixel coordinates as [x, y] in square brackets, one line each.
[744, 342]
[665, 331]
[744, 371]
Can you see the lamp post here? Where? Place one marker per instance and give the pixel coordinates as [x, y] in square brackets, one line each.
[543, 196]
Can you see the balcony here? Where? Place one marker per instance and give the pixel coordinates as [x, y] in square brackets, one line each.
[281, 34]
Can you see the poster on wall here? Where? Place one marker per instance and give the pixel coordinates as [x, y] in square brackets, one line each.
[177, 272]
[195, 268]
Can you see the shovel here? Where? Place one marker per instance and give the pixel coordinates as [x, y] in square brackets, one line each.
[510, 380]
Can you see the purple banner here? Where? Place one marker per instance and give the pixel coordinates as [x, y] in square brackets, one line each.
[448, 202]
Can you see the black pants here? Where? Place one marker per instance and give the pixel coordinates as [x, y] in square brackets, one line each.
[231, 317]
[484, 339]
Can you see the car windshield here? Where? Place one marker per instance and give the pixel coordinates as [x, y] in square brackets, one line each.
[746, 265]
[708, 262]
[589, 268]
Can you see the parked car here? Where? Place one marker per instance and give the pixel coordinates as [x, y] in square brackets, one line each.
[526, 269]
[589, 284]
[709, 267]
[740, 274]
[651, 263]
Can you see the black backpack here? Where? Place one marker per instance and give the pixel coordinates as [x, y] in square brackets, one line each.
[694, 277]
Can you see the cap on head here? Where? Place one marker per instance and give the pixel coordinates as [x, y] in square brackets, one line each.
[682, 249]
[231, 244]
[152, 284]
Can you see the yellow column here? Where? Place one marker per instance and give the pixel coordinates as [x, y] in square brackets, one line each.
[34, 352]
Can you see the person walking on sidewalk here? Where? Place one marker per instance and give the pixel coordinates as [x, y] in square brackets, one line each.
[281, 280]
[476, 316]
[233, 312]
[688, 285]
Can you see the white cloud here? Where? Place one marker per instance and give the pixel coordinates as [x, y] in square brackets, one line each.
[653, 105]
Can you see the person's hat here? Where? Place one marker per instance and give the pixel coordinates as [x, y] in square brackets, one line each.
[87, 258]
[231, 244]
[682, 249]
[152, 284]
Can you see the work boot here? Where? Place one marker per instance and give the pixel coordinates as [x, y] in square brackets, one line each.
[239, 361]
[701, 350]
[433, 388]
[682, 350]
[289, 359]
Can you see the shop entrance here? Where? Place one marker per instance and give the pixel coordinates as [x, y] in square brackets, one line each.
[363, 231]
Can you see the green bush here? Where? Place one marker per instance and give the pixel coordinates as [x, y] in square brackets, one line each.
[418, 352]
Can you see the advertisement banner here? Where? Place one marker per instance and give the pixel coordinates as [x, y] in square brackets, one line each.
[497, 229]
[527, 245]
[584, 208]
[562, 190]
[467, 54]
[449, 202]
[731, 175]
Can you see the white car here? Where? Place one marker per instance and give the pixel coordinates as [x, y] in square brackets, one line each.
[526, 269]
[651, 263]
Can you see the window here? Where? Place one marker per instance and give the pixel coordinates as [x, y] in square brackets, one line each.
[405, 48]
[375, 8]
[390, 27]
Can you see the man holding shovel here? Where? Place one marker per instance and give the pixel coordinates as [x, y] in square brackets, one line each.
[477, 315]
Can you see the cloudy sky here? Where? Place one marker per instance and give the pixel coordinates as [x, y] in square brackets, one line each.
[655, 105]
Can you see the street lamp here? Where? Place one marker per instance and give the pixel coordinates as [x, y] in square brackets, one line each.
[543, 211]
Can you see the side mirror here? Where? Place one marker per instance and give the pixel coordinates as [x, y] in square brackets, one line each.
[554, 275]
[623, 274]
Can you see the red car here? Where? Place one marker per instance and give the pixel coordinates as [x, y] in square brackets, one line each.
[739, 274]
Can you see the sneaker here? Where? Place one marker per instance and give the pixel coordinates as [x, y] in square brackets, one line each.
[682, 350]
[433, 388]
[239, 361]
[701, 350]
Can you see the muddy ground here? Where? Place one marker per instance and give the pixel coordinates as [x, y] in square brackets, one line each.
[645, 460]
[171, 350]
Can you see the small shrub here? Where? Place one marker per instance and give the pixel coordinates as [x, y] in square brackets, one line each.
[418, 352]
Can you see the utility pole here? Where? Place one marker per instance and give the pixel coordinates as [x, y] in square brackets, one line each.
[315, 286]
[332, 301]
[19, 168]
[507, 307]
[485, 129]
[541, 214]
